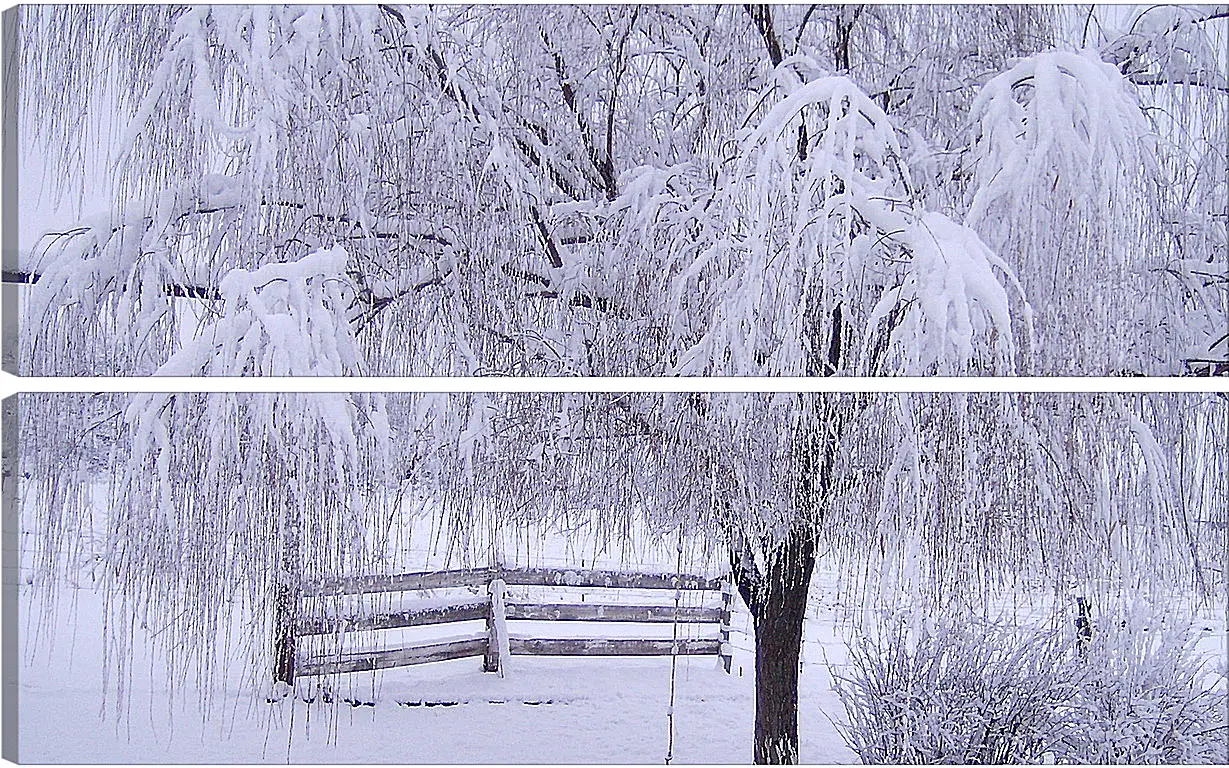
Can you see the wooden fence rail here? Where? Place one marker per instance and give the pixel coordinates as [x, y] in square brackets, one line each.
[612, 647]
[664, 614]
[414, 617]
[526, 577]
[401, 582]
[492, 609]
[397, 657]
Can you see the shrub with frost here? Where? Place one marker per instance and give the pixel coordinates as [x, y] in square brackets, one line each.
[956, 693]
[981, 692]
[1146, 696]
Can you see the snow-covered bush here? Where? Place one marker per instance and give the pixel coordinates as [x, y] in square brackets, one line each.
[979, 692]
[955, 693]
[1143, 699]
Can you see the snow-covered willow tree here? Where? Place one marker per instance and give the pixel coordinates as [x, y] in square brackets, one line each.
[760, 190]
[945, 501]
[640, 189]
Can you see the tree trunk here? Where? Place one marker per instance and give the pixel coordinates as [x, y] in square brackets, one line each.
[778, 601]
[1083, 624]
[777, 594]
[778, 648]
[284, 651]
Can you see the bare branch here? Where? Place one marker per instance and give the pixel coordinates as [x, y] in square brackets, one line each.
[761, 15]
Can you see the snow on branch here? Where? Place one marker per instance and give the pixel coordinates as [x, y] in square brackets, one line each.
[1060, 116]
[954, 293]
[1066, 189]
[636, 190]
[282, 319]
[825, 263]
[1170, 45]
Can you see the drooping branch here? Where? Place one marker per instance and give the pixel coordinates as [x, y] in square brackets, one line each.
[177, 290]
[1195, 79]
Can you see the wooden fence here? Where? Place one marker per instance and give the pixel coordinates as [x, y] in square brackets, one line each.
[496, 612]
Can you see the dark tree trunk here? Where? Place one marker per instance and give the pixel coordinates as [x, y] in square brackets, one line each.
[284, 651]
[776, 592]
[1083, 624]
[761, 16]
[847, 16]
[778, 601]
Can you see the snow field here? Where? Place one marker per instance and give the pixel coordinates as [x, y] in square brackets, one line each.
[544, 710]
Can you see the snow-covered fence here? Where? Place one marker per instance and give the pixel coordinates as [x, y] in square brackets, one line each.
[495, 644]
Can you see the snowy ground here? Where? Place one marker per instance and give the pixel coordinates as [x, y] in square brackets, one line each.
[545, 710]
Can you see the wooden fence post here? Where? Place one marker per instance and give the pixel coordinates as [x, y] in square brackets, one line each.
[727, 597]
[496, 628]
[284, 641]
[286, 604]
